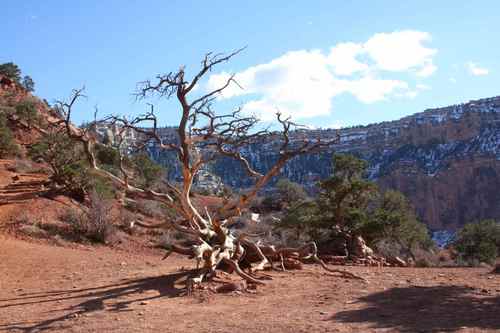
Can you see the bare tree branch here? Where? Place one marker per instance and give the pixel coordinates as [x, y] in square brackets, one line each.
[202, 136]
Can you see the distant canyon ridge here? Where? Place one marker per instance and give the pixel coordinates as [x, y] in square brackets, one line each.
[446, 160]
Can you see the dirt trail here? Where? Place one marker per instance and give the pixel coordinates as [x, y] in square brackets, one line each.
[22, 187]
[98, 289]
[19, 187]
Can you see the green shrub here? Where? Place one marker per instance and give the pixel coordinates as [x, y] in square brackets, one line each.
[270, 203]
[8, 147]
[65, 157]
[107, 155]
[290, 192]
[148, 172]
[26, 110]
[478, 242]
[394, 219]
[424, 262]
[348, 205]
[28, 83]
[102, 186]
[11, 70]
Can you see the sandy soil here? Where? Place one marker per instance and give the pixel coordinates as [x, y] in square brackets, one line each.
[99, 289]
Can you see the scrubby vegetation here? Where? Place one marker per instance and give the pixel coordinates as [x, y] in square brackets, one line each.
[64, 157]
[349, 206]
[478, 243]
[27, 112]
[393, 222]
[70, 169]
[13, 72]
[96, 224]
[8, 147]
[148, 173]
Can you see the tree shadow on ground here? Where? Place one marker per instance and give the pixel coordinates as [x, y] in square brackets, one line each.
[113, 297]
[426, 309]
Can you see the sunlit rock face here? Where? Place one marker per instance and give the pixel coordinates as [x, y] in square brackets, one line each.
[446, 160]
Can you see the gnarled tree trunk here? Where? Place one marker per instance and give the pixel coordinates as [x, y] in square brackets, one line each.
[213, 244]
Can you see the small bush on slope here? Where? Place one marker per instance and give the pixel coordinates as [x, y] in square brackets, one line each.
[8, 148]
[148, 172]
[64, 158]
[13, 72]
[478, 242]
[96, 224]
[26, 111]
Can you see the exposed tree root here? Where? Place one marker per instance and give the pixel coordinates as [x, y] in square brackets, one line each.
[303, 254]
[343, 273]
[254, 257]
[234, 265]
[263, 260]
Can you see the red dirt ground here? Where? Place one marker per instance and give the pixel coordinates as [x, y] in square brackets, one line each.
[99, 289]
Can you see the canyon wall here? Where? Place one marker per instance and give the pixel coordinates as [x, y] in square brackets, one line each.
[446, 160]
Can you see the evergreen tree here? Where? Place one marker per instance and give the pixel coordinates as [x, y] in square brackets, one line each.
[11, 70]
[28, 83]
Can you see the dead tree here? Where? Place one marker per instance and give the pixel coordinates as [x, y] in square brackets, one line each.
[203, 136]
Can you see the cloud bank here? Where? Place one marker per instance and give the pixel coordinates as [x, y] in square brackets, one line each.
[303, 83]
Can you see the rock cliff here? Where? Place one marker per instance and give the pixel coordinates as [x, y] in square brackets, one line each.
[446, 160]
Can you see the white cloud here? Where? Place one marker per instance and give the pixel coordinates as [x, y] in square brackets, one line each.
[401, 51]
[427, 70]
[476, 70]
[370, 90]
[453, 80]
[343, 58]
[298, 83]
[421, 87]
[398, 51]
[413, 93]
[303, 83]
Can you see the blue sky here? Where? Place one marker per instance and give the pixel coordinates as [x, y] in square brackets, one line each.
[389, 58]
